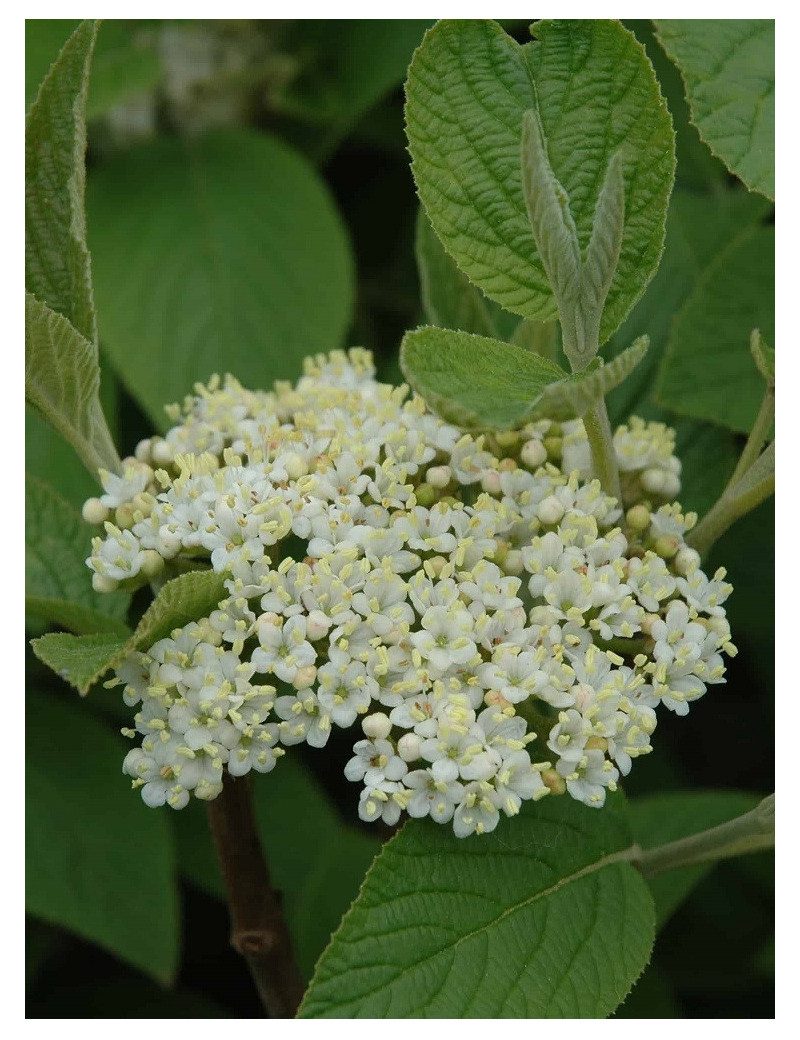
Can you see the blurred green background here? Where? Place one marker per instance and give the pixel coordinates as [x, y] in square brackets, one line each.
[249, 202]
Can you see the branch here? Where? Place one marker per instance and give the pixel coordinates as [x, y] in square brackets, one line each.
[258, 928]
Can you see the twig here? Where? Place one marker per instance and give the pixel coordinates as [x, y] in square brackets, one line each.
[258, 928]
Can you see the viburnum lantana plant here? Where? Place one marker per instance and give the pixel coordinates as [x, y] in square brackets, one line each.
[494, 592]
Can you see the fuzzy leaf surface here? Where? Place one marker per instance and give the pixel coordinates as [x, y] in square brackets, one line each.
[236, 260]
[57, 267]
[79, 660]
[473, 381]
[728, 67]
[62, 382]
[98, 862]
[707, 371]
[595, 92]
[538, 920]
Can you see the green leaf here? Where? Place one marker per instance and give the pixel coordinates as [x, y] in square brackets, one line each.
[62, 382]
[83, 660]
[98, 862]
[473, 381]
[72, 617]
[479, 383]
[595, 92]
[661, 818]
[318, 872]
[449, 299]
[760, 474]
[538, 920]
[698, 227]
[763, 356]
[728, 67]
[79, 660]
[57, 542]
[707, 370]
[57, 267]
[236, 260]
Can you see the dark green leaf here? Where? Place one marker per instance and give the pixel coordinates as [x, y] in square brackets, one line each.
[57, 543]
[538, 920]
[593, 86]
[235, 261]
[707, 371]
[99, 863]
[698, 228]
[728, 66]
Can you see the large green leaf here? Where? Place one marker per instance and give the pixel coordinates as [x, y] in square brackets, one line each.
[468, 88]
[661, 818]
[728, 66]
[83, 660]
[57, 267]
[98, 862]
[537, 920]
[698, 227]
[57, 542]
[315, 860]
[708, 371]
[236, 260]
[62, 382]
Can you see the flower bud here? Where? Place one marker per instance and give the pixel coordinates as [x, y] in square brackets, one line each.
[143, 450]
[638, 518]
[161, 453]
[317, 625]
[507, 465]
[553, 447]
[152, 564]
[654, 481]
[94, 512]
[533, 454]
[409, 747]
[439, 477]
[305, 677]
[376, 726]
[550, 510]
[425, 495]
[123, 516]
[490, 482]
[100, 583]
[686, 560]
[295, 466]
[666, 546]
[513, 564]
[556, 783]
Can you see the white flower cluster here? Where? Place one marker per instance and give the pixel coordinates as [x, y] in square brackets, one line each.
[499, 627]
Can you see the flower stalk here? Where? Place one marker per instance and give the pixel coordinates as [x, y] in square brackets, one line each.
[258, 928]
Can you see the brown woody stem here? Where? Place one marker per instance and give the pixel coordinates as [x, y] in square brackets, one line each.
[258, 928]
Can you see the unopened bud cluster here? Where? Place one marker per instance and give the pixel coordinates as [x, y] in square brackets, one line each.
[495, 623]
